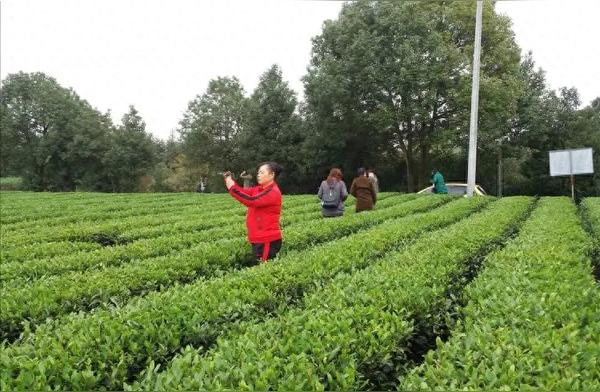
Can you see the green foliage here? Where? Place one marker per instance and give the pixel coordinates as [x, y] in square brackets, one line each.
[211, 126]
[176, 317]
[9, 158]
[131, 155]
[552, 122]
[349, 303]
[148, 265]
[343, 333]
[273, 129]
[390, 79]
[10, 183]
[591, 209]
[532, 318]
[586, 133]
[388, 87]
[140, 239]
[57, 141]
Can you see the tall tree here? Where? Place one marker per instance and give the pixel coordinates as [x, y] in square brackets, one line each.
[273, 128]
[9, 155]
[211, 126]
[587, 134]
[390, 76]
[57, 136]
[132, 154]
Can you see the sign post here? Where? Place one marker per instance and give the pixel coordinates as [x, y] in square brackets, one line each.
[571, 163]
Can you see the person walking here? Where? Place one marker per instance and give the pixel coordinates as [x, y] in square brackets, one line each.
[264, 210]
[437, 180]
[362, 189]
[247, 178]
[374, 180]
[333, 193]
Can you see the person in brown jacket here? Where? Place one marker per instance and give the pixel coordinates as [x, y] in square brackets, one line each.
[364, 192]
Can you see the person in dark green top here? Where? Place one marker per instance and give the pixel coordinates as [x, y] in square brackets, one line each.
[439, 186]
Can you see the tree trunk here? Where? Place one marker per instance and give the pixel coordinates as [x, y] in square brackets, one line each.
[424, 164]
[408, 172]
[410, 168]
[500, 172]
[425, 134]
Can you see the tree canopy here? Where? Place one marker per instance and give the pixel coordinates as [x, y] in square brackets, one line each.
[387, 87]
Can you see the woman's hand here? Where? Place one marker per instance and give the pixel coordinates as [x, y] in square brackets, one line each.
[228, 180]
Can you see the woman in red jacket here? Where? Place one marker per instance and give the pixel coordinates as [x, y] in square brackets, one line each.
[264, 210]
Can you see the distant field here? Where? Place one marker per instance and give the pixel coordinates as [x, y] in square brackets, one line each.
[159, 292]
[10, 183]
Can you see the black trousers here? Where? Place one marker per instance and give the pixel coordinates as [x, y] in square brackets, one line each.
[266, 250]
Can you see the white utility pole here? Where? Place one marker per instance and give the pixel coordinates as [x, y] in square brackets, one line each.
[472, 168]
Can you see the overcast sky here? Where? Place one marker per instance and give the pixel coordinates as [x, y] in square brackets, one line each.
[160, 54]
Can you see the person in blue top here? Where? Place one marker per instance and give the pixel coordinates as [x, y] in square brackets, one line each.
[439, 186]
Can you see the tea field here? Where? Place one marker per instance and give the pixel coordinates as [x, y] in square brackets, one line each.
[160, 292]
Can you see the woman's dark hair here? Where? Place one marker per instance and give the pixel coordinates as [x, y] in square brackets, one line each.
[334, 173]
[274, 168]
[361, 171]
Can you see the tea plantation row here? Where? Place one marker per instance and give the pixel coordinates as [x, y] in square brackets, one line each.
[159, 292]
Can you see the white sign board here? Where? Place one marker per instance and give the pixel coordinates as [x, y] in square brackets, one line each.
[571, 162]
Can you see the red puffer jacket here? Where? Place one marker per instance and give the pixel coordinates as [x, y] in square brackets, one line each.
[264, 211]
